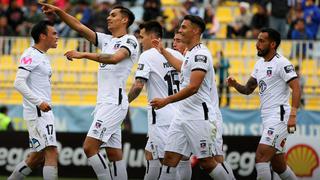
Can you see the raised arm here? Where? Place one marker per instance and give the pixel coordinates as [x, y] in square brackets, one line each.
[136, 89]
[176, 63]
[71, 21]
[247, 89]
[121, 54]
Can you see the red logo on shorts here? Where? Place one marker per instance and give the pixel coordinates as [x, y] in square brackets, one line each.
[283, 142]
[26, 60]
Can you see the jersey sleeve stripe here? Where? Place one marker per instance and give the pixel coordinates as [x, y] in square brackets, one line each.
[292, 79]
[96, 44]
[139, 77]
[127, 49]
[199, 69]
[24, 68]
[38, 111]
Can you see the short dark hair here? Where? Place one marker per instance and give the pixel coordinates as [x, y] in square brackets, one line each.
[197, 21]
[152, 27]
[126, 12]
[40, 28]
[273, 35]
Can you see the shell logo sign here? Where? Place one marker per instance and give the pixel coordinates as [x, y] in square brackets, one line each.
[303, 160]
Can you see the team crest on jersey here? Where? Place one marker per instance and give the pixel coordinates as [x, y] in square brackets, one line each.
[289, 68]
[269, 72]
[185, 62]
[262, 86]
[200, 58]
[140, 67]
[102, 65]
[116, 46]
[132, 42]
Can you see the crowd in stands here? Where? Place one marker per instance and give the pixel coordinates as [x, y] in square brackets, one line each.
[295, 19]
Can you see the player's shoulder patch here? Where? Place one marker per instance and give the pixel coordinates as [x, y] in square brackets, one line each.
[200, 58]
[140, 67]
[132, 42]
[289, 68]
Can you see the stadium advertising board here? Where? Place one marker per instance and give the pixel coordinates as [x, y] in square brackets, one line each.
[303, 155]
[236, 122]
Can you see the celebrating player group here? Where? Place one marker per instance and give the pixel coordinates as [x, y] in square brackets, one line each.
[183, 101]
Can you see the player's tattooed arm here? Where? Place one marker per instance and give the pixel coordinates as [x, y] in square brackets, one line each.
[136, 89]
[243, 89]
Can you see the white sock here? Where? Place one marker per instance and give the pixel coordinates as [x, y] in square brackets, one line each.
[229, 170]
[50, 173]
[21, 171]
[263, 171]
[118, 170]
[153, 169]
[288, 174]
[219, 173]
[168, 173]
[99, 165]
[184, 170]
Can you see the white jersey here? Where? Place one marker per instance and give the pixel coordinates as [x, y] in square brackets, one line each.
[162, 81]
[38, 81]
[273, 77]
[203, 104]
[112, 77]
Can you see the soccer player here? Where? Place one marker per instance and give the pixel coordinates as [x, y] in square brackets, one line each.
[275, 76]
[161, 80]
[119, 53]
[34, 84]
[191, 129]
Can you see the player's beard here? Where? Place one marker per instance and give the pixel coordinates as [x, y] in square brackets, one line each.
[263, 52]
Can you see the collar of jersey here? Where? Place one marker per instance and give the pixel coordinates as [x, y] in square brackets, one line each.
[195, 46]
[37, 50]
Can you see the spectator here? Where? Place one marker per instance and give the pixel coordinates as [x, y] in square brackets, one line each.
[98, 19]
[5, 29]
[259, 21]
[152, 10]
[301, 33]
[5, 120]
[32, 16]
[241, 24]
[279, 12]
[311, 17]
[302, 82]
[222, 68]
[212, 23]
[189, 7]
[295, 13]
[15, 16]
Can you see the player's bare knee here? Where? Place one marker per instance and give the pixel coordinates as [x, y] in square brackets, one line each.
[35, 160]
[208, 164]
[114, 154]
[171, 159]
[148, 155]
